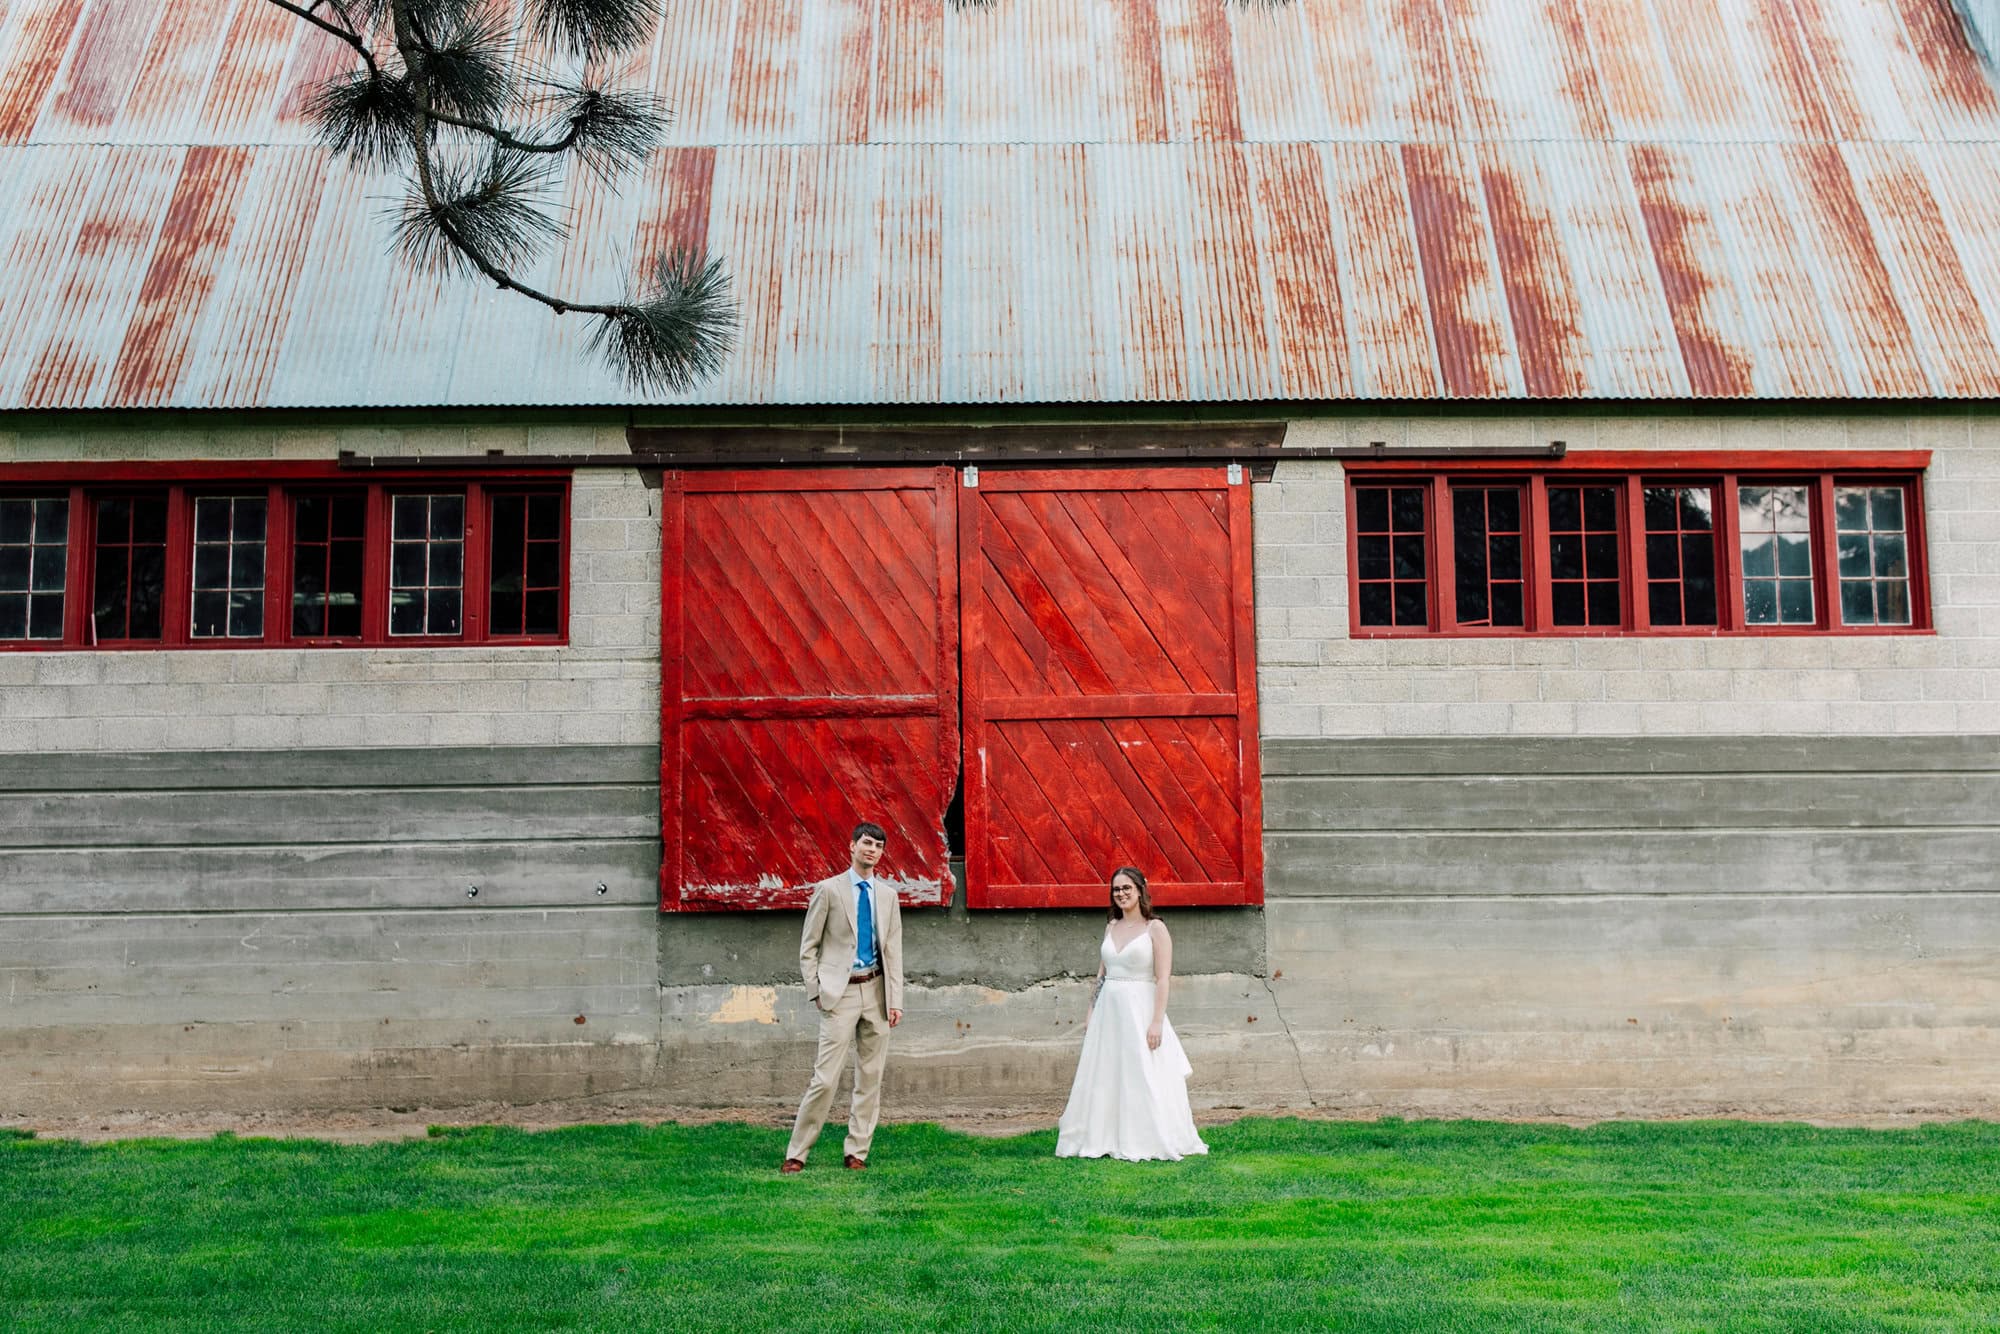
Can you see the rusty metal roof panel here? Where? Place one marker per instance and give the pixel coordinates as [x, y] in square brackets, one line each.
[1119, 200]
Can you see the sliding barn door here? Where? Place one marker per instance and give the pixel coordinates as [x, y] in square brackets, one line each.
[1110, 686]
[809, 672]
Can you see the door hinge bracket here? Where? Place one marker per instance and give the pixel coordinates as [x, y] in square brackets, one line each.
[971, 474]
[1236, 474]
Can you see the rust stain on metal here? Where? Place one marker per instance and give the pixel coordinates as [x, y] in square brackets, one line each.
[181, 276]
[1141, 84]
[1579, 91]
[1716, 368]
[1772, 30]
[1630, 71]
[318, 58]
[109, 48]
[1711, 85]
[1305, 270]
[1963, 346]
[36, 56]
[253, 59]
[909, 73]
[1836, 78]
[256, 305]
[1222, 233]
[1384, 288]
[848, 105]
[680, 184]
[1939, 39]
[1350, 80]
[908, 325]
[1535, 274]
[765, 67]
[1431, 112]
[179, 64]
[1859, 282]
[1797, 353]
[1202, 39]
[1452, 247]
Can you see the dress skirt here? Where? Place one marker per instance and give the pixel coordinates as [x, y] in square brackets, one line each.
[1128, 1101]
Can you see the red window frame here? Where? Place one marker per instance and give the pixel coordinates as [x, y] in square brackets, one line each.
[1632, 471]
[281, 484]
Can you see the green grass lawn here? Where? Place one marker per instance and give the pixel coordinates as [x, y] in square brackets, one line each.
[1288, 1224]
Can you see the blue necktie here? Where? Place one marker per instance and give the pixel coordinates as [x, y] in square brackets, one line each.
[864, 927]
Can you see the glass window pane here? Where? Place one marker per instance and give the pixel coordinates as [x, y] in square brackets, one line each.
[1850, 509]
[1506, 557]
[149, 519]
[1795, 603]
[1604, 609]
[447, 564]
[407, 564]
[1794, 555]
[1412, 607]
[1407, 506]
[45, 616]
[510, 514]
[406, 613]
[13, 615]
[1887, 503]
[1371, 509]
[1663, 603]
[1662, 508]
[1471, 593]
[109, 594]
[1373, 601]
[15, 562]
[1890, 558]
[545, 518]
[17, 521]
[1601, 552]
[1753, 508]
[448, 517]
[1468, 510]
[410, 517]
[1857, 602]
[246, 565]
[1892, 603]
[1371, 557]
[1507, 604]
[211, 565]
[1600, 507]
[350, 516]
[444, 607]
[1504, 508]
[1409, 557]
[1853, 548]
[50, 568]
[310, 518]
[1565, 509]
[211, 519]
[1698, 594]
[52, 521]
[247, 520]
[1663, 559]
[1760, 555]
[246, 615]
[1760, 601]
[1568, 604]
[114, 520]
[211, 613]
[544, 612]
[1565, 556]
[1697, 509]
[505, 617]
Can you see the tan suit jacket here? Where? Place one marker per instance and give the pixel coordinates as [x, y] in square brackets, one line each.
[827, 944]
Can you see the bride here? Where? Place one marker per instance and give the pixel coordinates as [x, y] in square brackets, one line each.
[1130, 1096]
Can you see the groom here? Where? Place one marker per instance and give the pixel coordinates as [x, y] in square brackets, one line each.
[851, 954]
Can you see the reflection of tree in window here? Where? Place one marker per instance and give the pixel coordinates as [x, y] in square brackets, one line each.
[1390, 576]
[1680, 555]
[1775, 523]
[1873, 542]
[1486, 555]
[328, 540]
[1583, 555]
[228, 600]
[130, 557]
[426, 564]
[34, 561]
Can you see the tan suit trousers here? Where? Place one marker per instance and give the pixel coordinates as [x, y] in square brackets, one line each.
[858, 1020]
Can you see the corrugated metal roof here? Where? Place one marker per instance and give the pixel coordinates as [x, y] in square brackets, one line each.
[1059, 200]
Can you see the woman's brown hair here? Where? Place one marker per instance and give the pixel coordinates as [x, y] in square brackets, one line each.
[1137, 877]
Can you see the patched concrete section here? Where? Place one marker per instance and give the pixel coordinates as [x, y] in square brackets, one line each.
[948, 947]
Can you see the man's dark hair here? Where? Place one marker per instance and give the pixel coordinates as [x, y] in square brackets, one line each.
[869, 829]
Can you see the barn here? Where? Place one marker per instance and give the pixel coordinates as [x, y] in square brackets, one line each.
[1496, 506]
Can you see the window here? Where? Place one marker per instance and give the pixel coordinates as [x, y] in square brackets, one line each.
[34, 564]
[1634, 543]
[312, 558]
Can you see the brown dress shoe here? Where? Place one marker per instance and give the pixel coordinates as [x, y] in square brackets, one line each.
[858, 1164]
[792, 1165]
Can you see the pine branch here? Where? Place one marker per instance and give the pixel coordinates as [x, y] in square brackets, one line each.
[479, 198]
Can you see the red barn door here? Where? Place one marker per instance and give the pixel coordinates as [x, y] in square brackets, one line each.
[1110, 686]
[809, 674]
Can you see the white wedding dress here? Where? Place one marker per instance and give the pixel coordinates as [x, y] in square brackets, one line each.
[1128, 1101]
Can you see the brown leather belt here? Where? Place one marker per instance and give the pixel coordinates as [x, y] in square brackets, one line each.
[868, 976]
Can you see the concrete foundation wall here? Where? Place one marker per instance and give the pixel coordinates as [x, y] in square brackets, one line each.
[292, 930]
